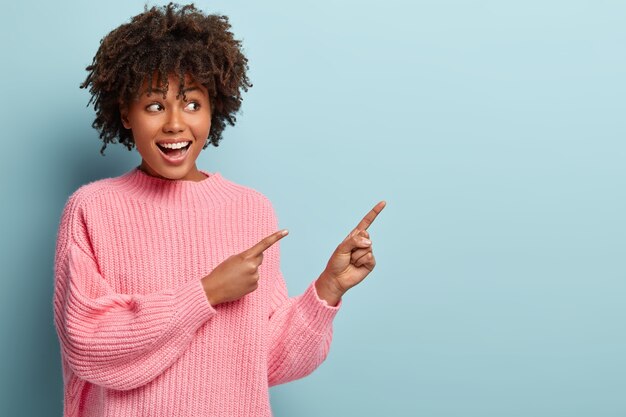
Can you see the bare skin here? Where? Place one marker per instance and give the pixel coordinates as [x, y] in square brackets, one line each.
[349, 264]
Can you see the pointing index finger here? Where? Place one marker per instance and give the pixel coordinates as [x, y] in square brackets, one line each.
[267, 242]
[371, 216]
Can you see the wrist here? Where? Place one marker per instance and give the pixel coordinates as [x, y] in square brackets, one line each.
[328, 290]
[209, 291]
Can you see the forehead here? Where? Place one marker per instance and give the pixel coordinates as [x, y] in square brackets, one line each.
[173, 81]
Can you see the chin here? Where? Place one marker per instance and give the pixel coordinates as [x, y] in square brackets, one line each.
[168, 172]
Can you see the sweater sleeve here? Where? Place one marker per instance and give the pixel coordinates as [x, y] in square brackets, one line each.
[300, 327]
[300, 336]
[119, 341]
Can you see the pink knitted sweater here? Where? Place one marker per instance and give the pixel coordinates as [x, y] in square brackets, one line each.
[138, 336]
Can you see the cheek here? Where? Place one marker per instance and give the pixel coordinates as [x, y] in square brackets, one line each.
[144, 130]
[201, 129]
[144, 148]
[143, 139]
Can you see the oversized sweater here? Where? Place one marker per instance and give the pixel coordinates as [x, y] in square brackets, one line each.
[138, 336]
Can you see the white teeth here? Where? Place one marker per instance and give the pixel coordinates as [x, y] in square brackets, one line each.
[174, 145]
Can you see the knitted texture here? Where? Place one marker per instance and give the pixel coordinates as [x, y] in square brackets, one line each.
[138, 336]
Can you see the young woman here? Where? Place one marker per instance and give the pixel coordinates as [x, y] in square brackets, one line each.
[169, 300]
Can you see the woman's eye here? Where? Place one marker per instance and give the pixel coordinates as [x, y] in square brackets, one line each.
[192, 106]
[154, 107]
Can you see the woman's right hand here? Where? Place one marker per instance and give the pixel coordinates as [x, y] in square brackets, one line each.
[238, 275]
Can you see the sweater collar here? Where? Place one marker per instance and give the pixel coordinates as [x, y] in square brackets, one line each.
[178, 193]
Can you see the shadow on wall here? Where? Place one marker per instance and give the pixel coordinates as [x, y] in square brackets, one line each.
[72, 158]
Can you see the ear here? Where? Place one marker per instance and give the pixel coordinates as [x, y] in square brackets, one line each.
[124, 116]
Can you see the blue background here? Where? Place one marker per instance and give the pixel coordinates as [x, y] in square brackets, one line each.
[494, 129]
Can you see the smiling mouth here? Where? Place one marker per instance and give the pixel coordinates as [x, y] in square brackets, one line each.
[174, 150]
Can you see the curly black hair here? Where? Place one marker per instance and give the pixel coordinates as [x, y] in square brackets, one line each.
[165, 40]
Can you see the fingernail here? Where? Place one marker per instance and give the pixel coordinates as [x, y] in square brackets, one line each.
[367, 241]
[284, 232]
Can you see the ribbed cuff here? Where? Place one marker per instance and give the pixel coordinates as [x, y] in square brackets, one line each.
[315, 312]
[192, 306]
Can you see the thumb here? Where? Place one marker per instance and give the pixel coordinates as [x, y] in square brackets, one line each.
[355, 240]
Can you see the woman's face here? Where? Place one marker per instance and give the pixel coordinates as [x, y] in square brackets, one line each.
[170, 132]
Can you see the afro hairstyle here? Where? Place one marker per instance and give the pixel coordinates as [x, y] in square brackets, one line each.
[165, 40]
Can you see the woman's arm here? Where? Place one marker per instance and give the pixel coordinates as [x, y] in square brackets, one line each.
[121, 341]
[300, 333]
[301, 327]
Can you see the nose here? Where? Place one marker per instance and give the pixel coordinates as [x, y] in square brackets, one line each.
[174, 122]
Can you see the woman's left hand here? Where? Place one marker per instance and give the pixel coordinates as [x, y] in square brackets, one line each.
[351, 262]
